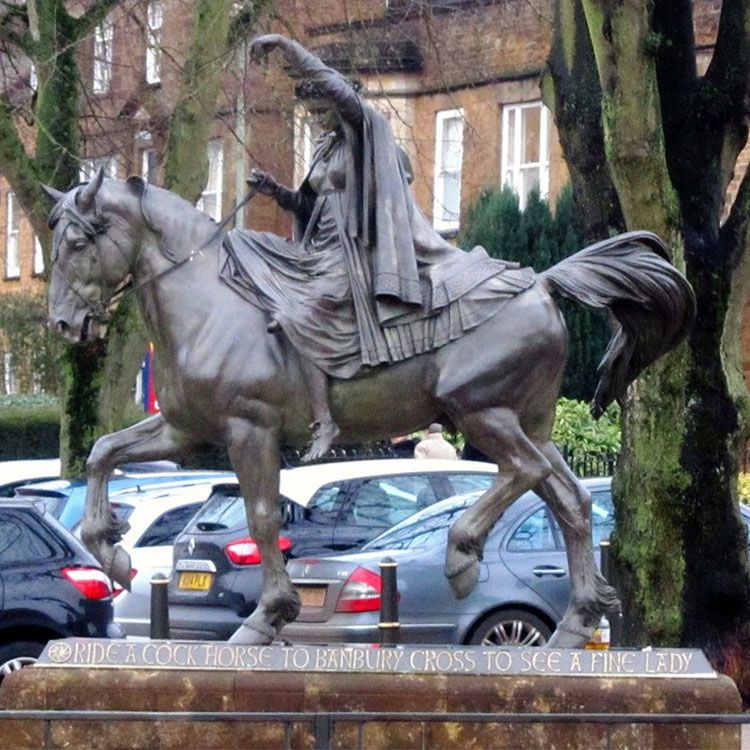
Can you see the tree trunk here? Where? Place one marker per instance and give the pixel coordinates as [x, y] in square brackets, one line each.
[670, 143]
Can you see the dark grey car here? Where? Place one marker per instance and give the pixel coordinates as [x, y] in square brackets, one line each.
[522, 590]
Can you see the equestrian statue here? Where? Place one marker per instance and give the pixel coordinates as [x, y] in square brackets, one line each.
[365, 324]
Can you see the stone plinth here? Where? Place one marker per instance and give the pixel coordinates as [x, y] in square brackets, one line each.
[210, 689]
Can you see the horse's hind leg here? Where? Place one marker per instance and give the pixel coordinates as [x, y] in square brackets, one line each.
[521, 466]
[150, 439]
[590, 595]
[254, 451]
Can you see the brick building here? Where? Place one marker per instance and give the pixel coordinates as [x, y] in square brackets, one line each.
[458, 79]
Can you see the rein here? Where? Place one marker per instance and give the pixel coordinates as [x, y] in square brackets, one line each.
[129, 287]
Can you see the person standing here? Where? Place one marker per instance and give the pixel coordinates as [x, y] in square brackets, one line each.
[434, 445]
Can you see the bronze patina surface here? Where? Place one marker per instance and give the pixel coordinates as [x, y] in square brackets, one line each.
[366, 308]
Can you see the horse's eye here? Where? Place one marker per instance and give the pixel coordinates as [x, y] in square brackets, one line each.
[79, 244]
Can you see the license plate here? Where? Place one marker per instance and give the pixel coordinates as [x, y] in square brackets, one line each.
[195, 581]
[312, 596]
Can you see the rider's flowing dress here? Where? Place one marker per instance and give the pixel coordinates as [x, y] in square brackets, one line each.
[365, 281]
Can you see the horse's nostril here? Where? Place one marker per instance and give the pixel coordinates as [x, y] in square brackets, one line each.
[61, 326]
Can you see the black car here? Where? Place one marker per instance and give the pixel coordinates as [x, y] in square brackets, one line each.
[50, 586]
[327, 508]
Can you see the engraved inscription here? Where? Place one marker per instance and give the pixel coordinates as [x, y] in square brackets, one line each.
[354, 658]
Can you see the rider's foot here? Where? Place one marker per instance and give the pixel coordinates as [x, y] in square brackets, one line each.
[324, 433]
[274, 326]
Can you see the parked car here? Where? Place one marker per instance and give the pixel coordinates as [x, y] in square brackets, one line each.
[14, 474]
[156, 516]
[50, 586]
[327, 508]
[65, 499]
[521, 594]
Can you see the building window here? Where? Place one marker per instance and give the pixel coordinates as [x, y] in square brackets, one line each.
[149, 165]
[38, 257]
[10, 383]
[103, 56]
[12, 256]
[153, 41]
[306, 132]
[449, 152]
[525, 149]
[89, 167]
[210, 200]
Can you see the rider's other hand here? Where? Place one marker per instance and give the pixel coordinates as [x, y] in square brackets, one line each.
[263, 182]
[262, 45]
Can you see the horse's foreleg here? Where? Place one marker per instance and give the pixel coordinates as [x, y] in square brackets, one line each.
[254, 451]
[101, 529]
[590, 594]
[521, 466]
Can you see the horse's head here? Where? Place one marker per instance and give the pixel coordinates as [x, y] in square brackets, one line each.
[91, 257]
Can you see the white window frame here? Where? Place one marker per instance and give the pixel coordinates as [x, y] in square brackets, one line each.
[89, 167]
[154, 23]
[511, 166]
[12, 246]
[10, 384]
[104, 34]
[439, 220]
[38, 257]
[304, 144]
[147, 170]
[215, 179]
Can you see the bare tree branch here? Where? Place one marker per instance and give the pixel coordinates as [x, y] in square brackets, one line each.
[94, 16]
[19, 169]
[734, 232]
[725, 89]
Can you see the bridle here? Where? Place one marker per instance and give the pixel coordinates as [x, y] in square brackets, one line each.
[99, 309]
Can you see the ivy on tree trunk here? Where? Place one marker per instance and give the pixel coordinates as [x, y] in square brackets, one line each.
[95, 377]
[668, 141]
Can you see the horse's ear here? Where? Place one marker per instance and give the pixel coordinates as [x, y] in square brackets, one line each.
[137, 184]
[54, 196]
[85, 199]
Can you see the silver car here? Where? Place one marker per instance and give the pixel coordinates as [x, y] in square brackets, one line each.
[156, 516]
[521, 595]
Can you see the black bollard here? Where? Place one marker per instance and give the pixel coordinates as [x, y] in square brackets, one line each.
[389, 624]
[159, 607]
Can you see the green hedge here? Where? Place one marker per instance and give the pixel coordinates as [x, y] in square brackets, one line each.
[29, 427]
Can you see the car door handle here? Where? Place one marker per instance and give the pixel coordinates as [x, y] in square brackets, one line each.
[549, 570]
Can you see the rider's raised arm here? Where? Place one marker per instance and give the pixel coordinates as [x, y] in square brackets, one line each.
[331, 82]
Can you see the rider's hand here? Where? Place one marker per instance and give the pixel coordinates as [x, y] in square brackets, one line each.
[262, 45]
[263, 182]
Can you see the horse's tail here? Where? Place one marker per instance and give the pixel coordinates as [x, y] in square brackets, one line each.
[652, 303]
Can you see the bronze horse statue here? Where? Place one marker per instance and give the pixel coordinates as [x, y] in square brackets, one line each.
[224, 378]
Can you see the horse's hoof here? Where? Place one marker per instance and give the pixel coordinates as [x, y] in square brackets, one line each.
[462, 572]
[252, 635]
[119, 568]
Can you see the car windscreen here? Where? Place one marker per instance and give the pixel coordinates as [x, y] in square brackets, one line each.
[221, 512]
[425, 529]
[51, 503]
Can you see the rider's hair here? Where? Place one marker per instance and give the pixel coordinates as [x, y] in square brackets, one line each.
[309, 89]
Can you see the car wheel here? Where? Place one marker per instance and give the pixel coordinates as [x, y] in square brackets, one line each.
[511, 627]
[19, 654]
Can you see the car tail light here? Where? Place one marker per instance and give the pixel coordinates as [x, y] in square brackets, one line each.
[361, 592]
[245, 551]
[91, 582]
[116, 590]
